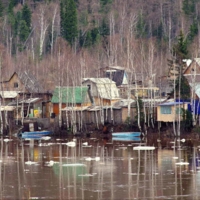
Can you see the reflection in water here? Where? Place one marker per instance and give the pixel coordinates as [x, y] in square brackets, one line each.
[97, 169]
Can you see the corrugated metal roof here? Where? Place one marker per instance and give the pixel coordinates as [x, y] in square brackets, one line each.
[8, 94]
[172, 103]
[116, 67]
[99, 80]
[106, 88]
[75, 108]
[30, 82]
[94, 108]
[88, 108]
[123, 102]
[30, 100]
[70, 94]
[107, 92]
[8, 108]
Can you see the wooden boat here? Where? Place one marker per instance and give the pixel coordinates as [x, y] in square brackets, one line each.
[126, 134]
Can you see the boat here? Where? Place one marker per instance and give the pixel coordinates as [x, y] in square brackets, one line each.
[31, 129]
[126, 139]
[34, 133]
[126, 134]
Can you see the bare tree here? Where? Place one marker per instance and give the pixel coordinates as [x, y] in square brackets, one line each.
[52, 29]
[43, 29]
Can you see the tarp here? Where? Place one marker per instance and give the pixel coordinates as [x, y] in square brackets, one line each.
[194, 107]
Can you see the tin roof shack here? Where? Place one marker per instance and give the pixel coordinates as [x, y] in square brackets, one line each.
[95, 116]
[27, 86]
[118, 74]
[171, 111]
[8, 97]
[22, 82]
[70, 97]
[121, 107]
[30, 108]
[102, 91]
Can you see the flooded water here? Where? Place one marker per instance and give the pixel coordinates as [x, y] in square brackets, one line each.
[96, 168]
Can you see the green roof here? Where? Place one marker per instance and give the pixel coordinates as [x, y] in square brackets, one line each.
[70, 94]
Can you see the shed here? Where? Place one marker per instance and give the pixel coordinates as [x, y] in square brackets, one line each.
[70, 97]
[170, 111]
[103, 91]
[32, 107]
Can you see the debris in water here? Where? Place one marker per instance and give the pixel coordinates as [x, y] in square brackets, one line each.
[50, 163]
[71, 144]
[89, 158]
[88, 146]
[7, 140]
[73, 164]
[143, 148]
[85, 143]
[45, 138]
[86, 175]
[30, 163]
[182, 163]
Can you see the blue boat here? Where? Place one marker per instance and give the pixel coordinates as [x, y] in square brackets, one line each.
[126, 134]
[31, 137]
[127, 139]
[34, 133]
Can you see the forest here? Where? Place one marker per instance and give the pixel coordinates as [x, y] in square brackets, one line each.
[63, 41]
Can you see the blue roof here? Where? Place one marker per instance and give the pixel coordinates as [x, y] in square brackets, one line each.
[172, 103]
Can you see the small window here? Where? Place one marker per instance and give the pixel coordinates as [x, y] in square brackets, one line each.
[179, 111]
[165, 110]
[16, 85]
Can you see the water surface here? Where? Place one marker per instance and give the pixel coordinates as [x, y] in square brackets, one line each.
[95, 168]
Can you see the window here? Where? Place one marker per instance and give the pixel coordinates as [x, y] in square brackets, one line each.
[165, 110]
[179, 111]
[15, 85]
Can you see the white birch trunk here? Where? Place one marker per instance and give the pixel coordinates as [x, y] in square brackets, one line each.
[1, 118]
[174, 124]
[60, 93]
[137, 103]
[43, 28]
[52, 29]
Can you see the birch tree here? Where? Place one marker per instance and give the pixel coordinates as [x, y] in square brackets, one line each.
[52, 29]
[43, 29]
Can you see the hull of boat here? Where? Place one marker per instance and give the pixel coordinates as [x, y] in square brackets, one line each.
[126, 134]
[34, 137]
[126, 139]
[35, 133]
